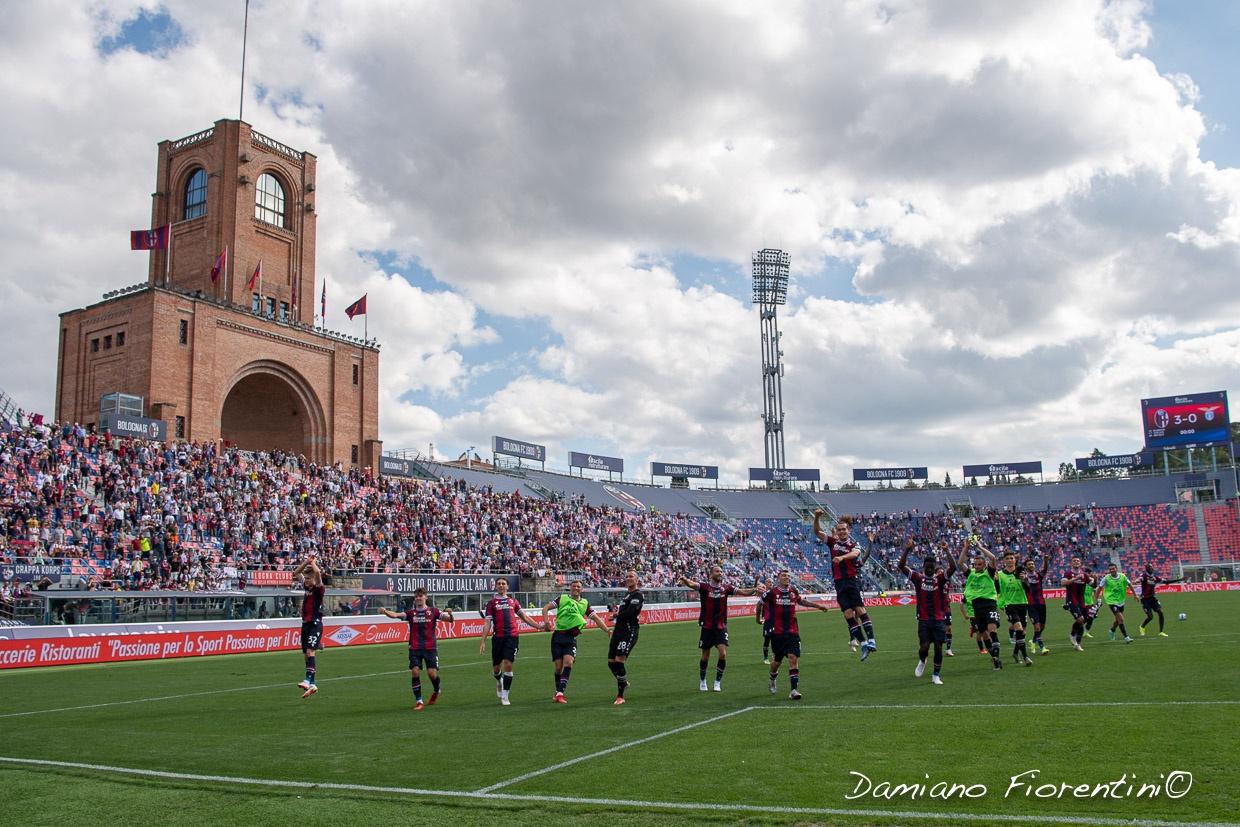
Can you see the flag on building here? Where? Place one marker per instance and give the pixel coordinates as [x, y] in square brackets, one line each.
[153, 239]
[256, 277]
[220, 263]
[323, 302]
[358, 308]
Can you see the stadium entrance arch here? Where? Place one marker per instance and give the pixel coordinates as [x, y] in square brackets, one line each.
[270, 406]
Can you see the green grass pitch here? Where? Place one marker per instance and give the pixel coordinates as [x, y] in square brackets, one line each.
[239, 746]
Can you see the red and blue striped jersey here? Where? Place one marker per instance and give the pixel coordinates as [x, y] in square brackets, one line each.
[312, 604]
[714, 596]
[503, 614]
[780, 607]
[422, 626]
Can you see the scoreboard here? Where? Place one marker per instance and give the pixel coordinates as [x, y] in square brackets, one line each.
[1188, 419]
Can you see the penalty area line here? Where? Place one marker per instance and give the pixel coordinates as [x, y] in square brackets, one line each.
[716, 807]
[216, 692]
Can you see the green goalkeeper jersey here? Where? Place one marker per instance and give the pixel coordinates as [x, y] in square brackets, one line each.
[1011, 590]
[980, 584]
[570, 614]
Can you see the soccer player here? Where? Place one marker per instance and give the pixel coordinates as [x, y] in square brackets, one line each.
[624, 633]
[1149, 599]
[765, 622]
[1114, 588]
[845, 567]
[934, 606]
[423, 651]
[572, 611]
[1034, 578]
[501, 613]
[781, 606]
[1091, 607]
[1014, 599]
[982, 595]
[713, 618]
[311, 619]
[1076, 581]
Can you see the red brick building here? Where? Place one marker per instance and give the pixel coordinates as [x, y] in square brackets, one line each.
[214, 358]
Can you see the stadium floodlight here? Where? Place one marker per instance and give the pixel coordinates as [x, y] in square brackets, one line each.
[770, 289]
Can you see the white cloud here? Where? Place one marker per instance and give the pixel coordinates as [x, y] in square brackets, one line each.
[1017, 187]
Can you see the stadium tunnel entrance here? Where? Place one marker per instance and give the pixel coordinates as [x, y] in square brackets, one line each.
[269, 406]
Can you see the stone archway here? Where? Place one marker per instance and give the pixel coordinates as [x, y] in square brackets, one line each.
[269, 406]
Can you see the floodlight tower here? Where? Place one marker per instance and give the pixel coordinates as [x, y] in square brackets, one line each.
[770, 289]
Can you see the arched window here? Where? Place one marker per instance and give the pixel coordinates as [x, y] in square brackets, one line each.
[196, 194]
[269, 200]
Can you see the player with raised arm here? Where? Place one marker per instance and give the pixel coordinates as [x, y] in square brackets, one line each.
[845, 569]
[626, 624]
[311, 619]
[1114, 589]
[423, 648]
[982, 595]
[1034, 578]
[1149, 598]
[781, 604]
[571, 611]
[1076, 582]
[1014, 600]
[934, 606]
[713, 618]
[501, 614]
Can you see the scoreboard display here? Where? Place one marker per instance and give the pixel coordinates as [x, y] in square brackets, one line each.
[1188, 419]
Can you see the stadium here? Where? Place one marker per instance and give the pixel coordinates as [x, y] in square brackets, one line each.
[225, 598]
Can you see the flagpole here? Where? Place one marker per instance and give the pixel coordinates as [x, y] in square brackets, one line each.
[168, 258]
[245, 32]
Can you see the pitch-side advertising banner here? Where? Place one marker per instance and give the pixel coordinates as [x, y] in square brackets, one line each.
[999, 469]
[595, 462]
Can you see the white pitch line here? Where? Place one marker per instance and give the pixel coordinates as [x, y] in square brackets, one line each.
[845, 707]
[215, 692]
[715, 807]
[609, 750]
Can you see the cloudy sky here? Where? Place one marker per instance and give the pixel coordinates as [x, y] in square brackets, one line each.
[1008, 222]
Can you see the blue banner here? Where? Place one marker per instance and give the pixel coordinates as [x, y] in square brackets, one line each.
[517, 448]
[910, 473]
[1000, 469]
[672, 469]
[138, 427]
[395, 467]
[595, 462]
[784, 475]
[1140, 460]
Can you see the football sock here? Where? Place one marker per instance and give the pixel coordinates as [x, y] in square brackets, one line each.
[702, 669]
[310, 668]
[557, 681]
[417, 688]
[868, 628]
[854, 630]
[435, 684]
[794, 675]
[719, 667]
[562, 683]
[1020, 643]
[1122, 630]
[1160, 621]
[507, 681]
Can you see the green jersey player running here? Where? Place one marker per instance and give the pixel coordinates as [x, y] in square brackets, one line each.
[1114, 589]
[1014, 600]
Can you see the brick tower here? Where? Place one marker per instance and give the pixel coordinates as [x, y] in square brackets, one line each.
[215, 358]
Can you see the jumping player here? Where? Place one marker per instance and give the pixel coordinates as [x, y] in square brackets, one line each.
[981, 593]
[1114, 588]
[1149, 598]
[423, 651]
[934, 606]
[781, 605]
[845, 568]
[1076, 581]
[311, 619]
[1014, 600]
[1037, 601]
[501, 613]
[571, 613]
[624, 633]
[713, 618]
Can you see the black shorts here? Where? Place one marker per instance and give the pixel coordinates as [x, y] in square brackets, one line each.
[1091, 611]
[848, 595]
[932, 631]
[947, 618]
[1075, 609]
[1018, 613]
[1116, 608]
[784, 645]
[504, 648]
[1037, 613]
[768, 629]
[312, 635]
[623, 640]
[423, 658]
[710, 638]
[1151, 604]
[563, 644]
[985, 612]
